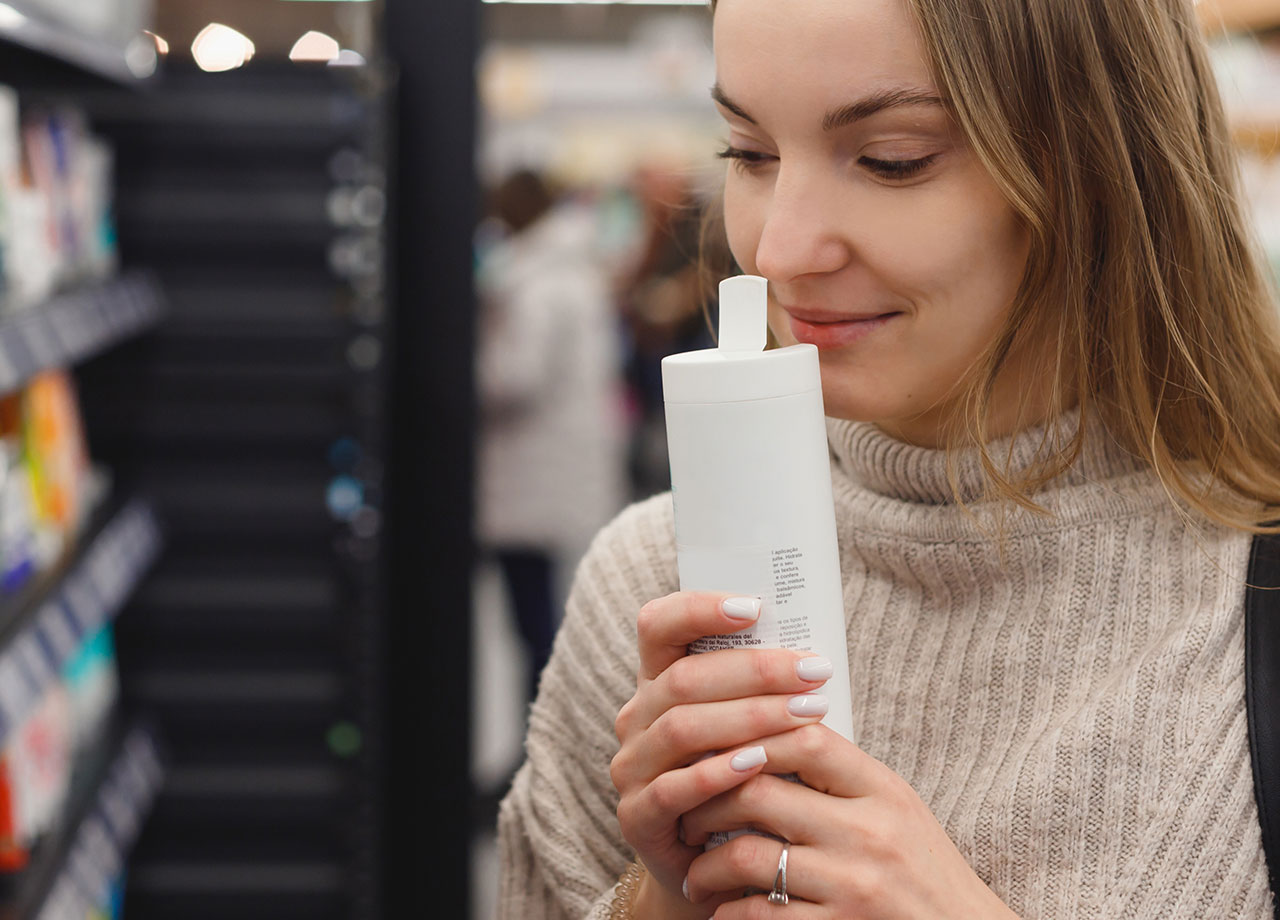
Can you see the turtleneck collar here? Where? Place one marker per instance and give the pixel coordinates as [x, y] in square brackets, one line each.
[897, 470]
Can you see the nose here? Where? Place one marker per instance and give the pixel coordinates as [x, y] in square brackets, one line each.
[803, 229]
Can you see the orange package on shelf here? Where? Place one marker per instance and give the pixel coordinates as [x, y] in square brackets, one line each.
[56, 450]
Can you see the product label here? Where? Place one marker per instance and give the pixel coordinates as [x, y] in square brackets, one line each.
[775, 575]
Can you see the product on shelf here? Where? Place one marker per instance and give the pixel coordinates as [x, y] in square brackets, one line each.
[39, 762]
[55, 204]
[55, 447]
[10, 166]
[36, 765]
[92, 687]
[17, 516]
[46, 485]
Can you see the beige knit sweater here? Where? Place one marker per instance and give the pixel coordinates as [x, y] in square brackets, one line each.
[1072, 710]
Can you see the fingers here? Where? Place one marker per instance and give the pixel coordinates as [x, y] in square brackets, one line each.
[758, 908]
[684, 733]
[666, 626]
[650, 816]
[727, 674]
[768, 803]
[827, 762]
[751, 861]
[796, 812]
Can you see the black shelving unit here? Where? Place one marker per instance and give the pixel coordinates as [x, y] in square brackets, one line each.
[76, 325]
[114, 780]
[256, 418]
[281, 634]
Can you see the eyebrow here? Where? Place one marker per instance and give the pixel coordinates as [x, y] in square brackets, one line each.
[854, 111]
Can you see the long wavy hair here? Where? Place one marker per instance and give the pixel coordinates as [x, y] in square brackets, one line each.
[1102, 125]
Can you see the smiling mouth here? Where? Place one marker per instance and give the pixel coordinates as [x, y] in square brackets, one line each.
[827, 332]
[823, 318]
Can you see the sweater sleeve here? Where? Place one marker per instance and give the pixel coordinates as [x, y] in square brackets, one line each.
[560, 847]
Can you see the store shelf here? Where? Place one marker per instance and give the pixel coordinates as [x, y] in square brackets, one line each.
[44, 626]
[1238, 15]
[25, 30]
[73, 872]
[76, 325]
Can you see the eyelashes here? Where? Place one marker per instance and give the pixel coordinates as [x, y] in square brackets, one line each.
[743, 159]
[751, 160]
[898, 169]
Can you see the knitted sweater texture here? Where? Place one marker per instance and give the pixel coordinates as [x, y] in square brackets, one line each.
[1069, 704]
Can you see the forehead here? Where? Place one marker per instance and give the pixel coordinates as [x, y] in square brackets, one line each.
[825, 52]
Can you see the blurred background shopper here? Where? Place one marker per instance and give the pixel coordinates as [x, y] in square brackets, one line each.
[551, 457]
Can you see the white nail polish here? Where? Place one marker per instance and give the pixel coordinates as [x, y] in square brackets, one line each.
[808, 704]
[741, 608]
[684, 886]
[814, 669]
[746, 760]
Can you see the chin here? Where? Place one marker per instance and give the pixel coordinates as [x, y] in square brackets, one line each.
[840, 405]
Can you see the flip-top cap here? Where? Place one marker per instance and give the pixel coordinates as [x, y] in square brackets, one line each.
[740, 369]
[744, 313]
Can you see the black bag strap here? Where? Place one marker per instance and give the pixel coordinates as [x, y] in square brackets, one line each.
[1262, 693]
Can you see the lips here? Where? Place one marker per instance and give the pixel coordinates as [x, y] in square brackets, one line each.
[822, 317]
[834, 330]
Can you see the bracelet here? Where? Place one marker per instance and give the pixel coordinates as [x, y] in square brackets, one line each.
[625, 893]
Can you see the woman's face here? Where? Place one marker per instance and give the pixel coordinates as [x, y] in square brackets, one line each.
[886, 243]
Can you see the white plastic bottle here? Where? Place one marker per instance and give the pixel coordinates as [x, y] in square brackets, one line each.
[751, 483]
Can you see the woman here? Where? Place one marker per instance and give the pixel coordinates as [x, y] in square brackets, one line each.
[1051, 366]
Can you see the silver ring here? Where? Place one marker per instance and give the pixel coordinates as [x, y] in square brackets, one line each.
[779, 893]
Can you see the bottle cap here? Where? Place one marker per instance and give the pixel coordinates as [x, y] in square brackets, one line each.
[744, 313]
[740, 370]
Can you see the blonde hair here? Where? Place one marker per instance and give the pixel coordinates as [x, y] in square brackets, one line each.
[1102, 125]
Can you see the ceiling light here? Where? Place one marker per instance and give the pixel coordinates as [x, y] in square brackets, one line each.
[316, 47]
[162, 46]
[220, 48]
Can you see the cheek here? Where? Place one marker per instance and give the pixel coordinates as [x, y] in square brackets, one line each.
[986, 268]
[967, 261]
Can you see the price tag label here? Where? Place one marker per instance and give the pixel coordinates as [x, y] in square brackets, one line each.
[12, 686]
[40, 343]
[57, 632]
[82, 602]
[35, 663]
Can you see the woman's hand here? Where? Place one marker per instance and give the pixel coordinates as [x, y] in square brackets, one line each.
[863, 844]
[686, 706]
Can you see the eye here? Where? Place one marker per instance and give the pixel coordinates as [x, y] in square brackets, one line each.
[897, 169]
[744, 160]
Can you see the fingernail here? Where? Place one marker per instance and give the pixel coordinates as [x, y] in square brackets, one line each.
[808, 704]
[684, 886]
[741, 608]
[746, 760]
[814, 669]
